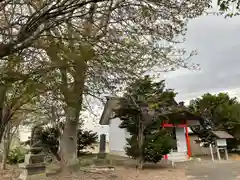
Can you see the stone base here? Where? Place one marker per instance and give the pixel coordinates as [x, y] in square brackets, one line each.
[118, 153]
[34, 158]
[101, 155]
[32, 171]
[33, 168]
[101, 161]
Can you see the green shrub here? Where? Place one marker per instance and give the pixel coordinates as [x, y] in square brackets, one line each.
[154, 147]
[16, 155]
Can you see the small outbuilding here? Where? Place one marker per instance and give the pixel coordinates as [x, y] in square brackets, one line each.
[220, 143]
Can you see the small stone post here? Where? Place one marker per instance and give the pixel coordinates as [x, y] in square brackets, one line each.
[211, 151]
[226, 153]
[218, 154]
[102, 147]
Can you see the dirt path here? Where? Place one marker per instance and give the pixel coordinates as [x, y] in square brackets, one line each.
[218, 170]
[118, 174]
[152, 174]
[11, 174]
[204, 170]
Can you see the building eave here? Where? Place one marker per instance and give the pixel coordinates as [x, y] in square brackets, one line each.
[111, 104]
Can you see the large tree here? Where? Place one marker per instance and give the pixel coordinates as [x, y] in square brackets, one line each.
[220, 113]
[19, 99]
[229, 6]
[115, 44]
[21, 82]
[23, 22]
[97, 46]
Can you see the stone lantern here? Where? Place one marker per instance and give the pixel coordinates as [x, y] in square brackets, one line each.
[33, 166]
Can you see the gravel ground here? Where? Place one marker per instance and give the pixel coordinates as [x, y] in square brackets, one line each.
[118, 174]
[218, 170]
[152, 174]
[11, 174]
[125, 174]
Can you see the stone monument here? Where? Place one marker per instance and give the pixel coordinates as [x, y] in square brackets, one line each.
[33, 166]
[102, 147]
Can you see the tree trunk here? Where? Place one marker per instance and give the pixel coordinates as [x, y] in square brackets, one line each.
[68, 143]
[140, 145]
[6, 147]
[1, 132]
[5, 50]
[3, 92]
[73, 97]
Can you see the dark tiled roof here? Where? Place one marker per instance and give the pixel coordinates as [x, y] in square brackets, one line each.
[222, 135]
[113, 103]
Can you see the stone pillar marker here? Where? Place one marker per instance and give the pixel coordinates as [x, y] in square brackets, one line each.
[102, 147]
[33, 166]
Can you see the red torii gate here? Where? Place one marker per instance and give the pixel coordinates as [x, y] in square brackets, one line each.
[182, 124]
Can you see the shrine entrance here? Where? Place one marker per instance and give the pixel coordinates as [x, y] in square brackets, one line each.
[180, 133]
[172, 132]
